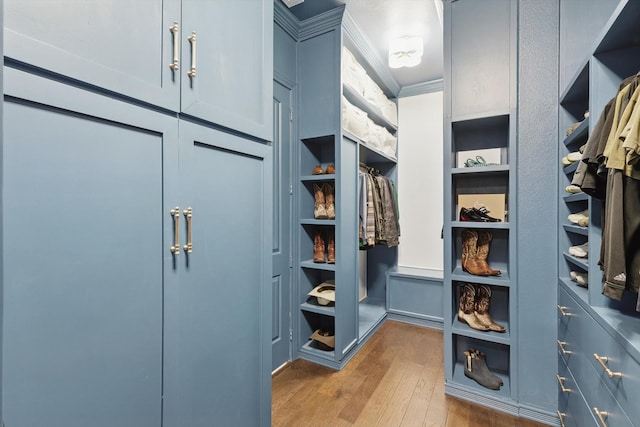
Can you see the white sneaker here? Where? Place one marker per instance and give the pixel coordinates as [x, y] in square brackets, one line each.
[574, 156]
[573, 189]
[573, 275]
[580, 251]
[577, 217]
[582, 279]
[565, 161]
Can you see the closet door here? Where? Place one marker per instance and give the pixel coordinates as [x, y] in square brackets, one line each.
[124, 46]
[218, 322]
[84, 230]
[233, 54]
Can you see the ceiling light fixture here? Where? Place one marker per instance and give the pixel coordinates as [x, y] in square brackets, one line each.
[405, 52]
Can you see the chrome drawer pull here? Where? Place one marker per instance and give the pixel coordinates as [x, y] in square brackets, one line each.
[601, 416]
[563, 312]
[561, 415]
[175, 213]
[561, 344]
[188, 248]
[192, 39]
[175, 65]
[602, 360]
[561, 382]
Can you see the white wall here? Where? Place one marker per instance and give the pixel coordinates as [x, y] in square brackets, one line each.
[420, 175]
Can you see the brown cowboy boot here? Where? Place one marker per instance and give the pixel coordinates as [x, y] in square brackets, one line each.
[469, 254]
[320, 211]
[483, 297]
[331, 248]
[466, 308]
[484, 238]
[318, 248]
[329, 200]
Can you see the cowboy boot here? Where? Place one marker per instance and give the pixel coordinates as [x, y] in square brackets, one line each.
[469, 254]
[329, 200]
[318, 248]
[331, 248]
[476, 369]
[466, 308]
[320, 211]
[483, 297]
[482, 251]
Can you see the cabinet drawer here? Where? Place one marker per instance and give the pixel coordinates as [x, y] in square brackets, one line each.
[571, 320]
[572, 408]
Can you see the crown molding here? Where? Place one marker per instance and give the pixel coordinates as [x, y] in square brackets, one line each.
[321, 23]
[422, 88]
[286, 19]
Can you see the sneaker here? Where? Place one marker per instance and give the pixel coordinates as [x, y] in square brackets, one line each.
[573, 275]
[565, 161]
[573, 189]
[574, 156]
[583, 222]
[579, 216]
[580, 251]
[582, 279]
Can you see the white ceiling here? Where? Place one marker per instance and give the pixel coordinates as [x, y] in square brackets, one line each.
[383, 20]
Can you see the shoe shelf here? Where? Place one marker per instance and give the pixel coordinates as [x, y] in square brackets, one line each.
[458, 274]
[579, 262]
[317, 265]
[579, 197]
[579, 135]
[318, 222]
[571, 168]
[481, 170]
[483, 225]
[319, 309]
[461, 329]
[315, 178]
[310, 348]
[576, 229]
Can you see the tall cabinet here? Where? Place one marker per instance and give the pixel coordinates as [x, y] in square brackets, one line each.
[598, 345]
[137, 287]
[322, 141]
[480, 120]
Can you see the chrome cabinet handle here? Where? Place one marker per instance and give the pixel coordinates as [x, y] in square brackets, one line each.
[175, 213]
[601, 416]
[602, 360]
[561, 382]
[175, 65]
[561, 344]
[563, 311]
[561, 415]
[192, 39]
[188, 248]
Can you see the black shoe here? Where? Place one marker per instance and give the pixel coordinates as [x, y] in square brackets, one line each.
[476, 215]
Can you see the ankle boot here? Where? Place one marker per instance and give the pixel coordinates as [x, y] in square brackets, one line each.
[483, 359]
[329, 201]
[482, 251]
[331, 169]
[318, 248]
[331, 248]
[483, 297]
[469, 254]
[320, 211]
[476, 369]
[317, 170]
[466, 308]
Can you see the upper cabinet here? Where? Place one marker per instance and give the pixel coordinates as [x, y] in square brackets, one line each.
[184, 56]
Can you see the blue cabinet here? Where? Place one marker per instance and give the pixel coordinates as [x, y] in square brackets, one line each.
[109, 318]
[211, 60]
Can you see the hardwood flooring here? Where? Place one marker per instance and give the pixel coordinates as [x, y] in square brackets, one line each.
[396, 379]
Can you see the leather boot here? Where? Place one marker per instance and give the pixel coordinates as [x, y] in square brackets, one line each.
[466, 308]
[320, 211]
[331, 248]
[483, 297]
[329, 201]
[469, 254]
[317, 170]
[331, 169]
[483, 359]
[476, 369]
[482, 251]
[318, 248]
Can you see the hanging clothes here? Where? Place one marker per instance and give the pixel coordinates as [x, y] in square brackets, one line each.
[610, 171]
[378, 209]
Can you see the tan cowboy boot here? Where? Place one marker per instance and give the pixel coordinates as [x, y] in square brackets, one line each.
[483, 297]
[482, 251]
[320, 211]
[329, 200]
[469, 254]
[466, 308]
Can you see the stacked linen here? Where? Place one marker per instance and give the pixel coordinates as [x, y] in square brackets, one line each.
[353, 74]
[355, 120]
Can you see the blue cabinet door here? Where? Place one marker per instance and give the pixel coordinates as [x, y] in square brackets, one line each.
[233, 56]
[218, 319]
[84, 238]
[124, 46]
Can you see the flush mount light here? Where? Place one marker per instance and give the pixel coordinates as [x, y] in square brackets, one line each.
[405, 52]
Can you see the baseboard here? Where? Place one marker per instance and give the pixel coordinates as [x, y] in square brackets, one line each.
[429, 323]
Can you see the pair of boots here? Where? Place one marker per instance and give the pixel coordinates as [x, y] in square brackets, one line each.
[325, 207]
[475, 251]
[319, 248]
[473, 308]
[319, 171]
[475, 367]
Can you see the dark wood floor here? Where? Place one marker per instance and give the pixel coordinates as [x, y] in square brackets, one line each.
[396, 379]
